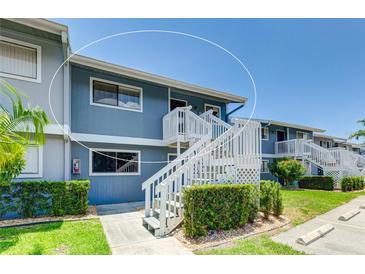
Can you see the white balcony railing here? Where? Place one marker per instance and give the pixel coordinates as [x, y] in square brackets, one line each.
[290, 148]
[182, 125]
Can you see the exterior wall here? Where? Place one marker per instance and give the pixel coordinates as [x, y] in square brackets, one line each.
[119, 188]
[51, 58]
[87, 118]
[198, 102]
[268, 146]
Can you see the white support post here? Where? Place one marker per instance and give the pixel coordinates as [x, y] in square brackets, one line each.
[178, 150]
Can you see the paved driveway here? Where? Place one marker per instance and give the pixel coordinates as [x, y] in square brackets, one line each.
[347, 237]
[122, 224]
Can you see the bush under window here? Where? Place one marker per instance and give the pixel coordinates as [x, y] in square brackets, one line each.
[44, 198]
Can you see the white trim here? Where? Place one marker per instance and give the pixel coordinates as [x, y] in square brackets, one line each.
[284, 124]
[264, 172]
[210, 105]
[87, 61]
[110, 139]
[181, 100]
[40, 166]
[119, 84]
[268, 134]
[38, 48]
[168, 156]
[91, 173]
[168, 99]
[304, 133]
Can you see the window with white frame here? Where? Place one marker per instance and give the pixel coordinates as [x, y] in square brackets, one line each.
[302, 135]
[216, 109]
[265, 133]
[112, 94]
[33, 163]
[107, 162]
[20, 60]
[265, 166]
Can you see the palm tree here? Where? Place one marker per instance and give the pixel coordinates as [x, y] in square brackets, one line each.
[360, 133]
[19, 127]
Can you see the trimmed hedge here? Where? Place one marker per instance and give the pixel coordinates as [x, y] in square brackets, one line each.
[271, 201]
[44, 198]
[219, 207]
[352, 183]
[316, 182]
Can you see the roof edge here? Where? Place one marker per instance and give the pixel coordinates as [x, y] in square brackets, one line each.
[285, 124]
[41, 24]
[106, 66]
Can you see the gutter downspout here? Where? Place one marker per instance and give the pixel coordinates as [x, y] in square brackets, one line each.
[233, 111]
[66, 107]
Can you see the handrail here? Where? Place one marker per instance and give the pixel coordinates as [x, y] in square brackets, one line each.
[218, 126]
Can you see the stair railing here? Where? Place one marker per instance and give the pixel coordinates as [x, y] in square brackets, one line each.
[237, 148]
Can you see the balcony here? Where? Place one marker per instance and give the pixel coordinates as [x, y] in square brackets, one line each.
[181, 125]
[290, 148]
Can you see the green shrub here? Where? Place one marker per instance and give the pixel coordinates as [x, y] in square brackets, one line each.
[352, 183]
[270, 198]
[13, 164]
[317, 182]
[219, 207]
[40, 198]
[289, 170]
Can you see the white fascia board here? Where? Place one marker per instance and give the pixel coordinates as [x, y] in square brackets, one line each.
[110, 139]
[133, 73]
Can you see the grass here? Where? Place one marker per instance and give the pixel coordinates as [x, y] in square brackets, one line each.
[302, 205]
[63, 238]
[261, 245]
[299, 206]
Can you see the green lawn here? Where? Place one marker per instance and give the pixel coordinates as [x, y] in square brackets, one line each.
[68, 238]
[262, 245]
[299, 206]
[302, 205]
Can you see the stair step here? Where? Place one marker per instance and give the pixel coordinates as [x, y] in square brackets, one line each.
[177, 204]
[152, 222]
[158, 211]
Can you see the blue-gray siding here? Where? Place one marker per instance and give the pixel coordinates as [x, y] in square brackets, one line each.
[124, 188]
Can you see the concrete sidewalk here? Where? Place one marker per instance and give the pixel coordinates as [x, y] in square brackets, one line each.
[122, 225]
[348, 237]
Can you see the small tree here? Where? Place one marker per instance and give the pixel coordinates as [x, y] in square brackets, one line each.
[361, 132]
[288, 170]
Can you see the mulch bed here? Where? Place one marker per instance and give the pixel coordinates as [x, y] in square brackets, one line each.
[91, 214]
[224, 237]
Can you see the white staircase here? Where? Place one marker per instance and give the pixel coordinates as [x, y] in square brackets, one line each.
[224, 153]
[336, 162]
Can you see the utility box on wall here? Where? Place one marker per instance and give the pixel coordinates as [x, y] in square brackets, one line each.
[76, 166]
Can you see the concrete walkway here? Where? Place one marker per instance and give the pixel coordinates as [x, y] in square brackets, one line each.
[348, 237]
[122, 225]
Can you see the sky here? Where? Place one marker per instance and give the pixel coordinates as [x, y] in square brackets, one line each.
[306, 71]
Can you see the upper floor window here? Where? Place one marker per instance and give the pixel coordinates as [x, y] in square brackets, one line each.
[20, 60]
[216, 110]
[114, 162]
[111, 94]
[302, 135]
[265, 133]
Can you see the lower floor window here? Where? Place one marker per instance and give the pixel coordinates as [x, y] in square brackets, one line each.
[264, 166]
[33, 162]
[115, 162]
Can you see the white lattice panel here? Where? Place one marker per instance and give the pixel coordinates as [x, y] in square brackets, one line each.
[248, 175]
